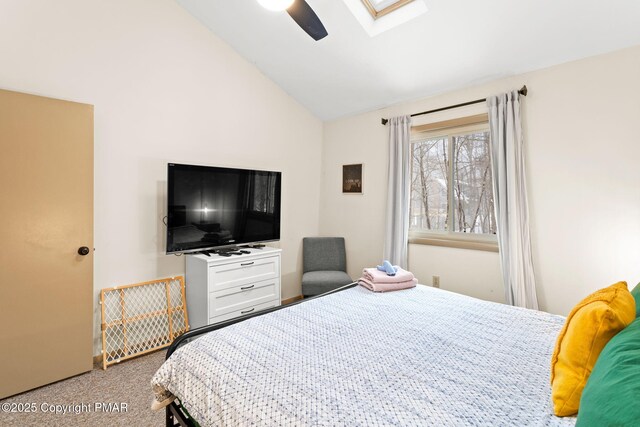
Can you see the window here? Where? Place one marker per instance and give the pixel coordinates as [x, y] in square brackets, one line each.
[378, 8]
[451, 187]
[379, 16]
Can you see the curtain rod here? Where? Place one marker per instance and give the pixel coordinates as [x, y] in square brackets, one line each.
[522, 92]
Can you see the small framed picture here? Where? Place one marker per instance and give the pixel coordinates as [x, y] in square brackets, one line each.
[352, 179]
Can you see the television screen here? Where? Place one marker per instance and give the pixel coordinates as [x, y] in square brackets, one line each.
[213, 207]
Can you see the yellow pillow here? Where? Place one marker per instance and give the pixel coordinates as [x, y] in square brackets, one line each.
[590, 325]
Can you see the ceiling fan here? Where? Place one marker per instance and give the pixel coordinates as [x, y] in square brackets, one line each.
[302, 13]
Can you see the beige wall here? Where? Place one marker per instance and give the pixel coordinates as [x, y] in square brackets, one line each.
[165, 90]
[583, 176]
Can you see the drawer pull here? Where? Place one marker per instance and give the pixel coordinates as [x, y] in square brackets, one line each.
[247, 311]
[247, 287]
[247, 263]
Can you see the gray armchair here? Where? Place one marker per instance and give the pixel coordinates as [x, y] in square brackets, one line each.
[324, 265]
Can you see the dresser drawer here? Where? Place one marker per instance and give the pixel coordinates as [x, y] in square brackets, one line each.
[243, 312]
[243, 296]
[242, 272]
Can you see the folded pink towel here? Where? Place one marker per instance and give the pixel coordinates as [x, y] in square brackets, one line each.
[386, 287]
[377, 276]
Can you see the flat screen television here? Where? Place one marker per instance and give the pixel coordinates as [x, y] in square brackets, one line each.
[213, 207]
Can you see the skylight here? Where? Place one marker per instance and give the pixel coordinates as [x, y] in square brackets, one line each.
[378, 16]
[378, 8]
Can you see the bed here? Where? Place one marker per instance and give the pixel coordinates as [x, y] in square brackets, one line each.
[416, 357]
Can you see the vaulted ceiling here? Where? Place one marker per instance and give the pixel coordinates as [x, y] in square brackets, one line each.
[457, 43]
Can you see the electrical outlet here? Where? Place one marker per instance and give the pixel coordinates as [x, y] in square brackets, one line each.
[435, 282]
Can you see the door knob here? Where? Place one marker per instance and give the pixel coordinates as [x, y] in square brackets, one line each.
[83, 251]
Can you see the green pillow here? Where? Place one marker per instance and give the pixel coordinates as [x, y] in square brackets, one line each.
[611, 395]
[636, 295]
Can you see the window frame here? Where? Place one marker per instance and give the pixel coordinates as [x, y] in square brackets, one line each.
[449, 238]
[376, 14]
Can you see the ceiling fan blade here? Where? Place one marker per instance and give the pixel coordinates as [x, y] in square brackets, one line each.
[304, 16]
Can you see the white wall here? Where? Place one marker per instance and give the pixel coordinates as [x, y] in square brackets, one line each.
[582, 147]
[165, 90]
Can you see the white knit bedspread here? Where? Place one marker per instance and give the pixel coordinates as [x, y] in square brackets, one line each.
[416, 357]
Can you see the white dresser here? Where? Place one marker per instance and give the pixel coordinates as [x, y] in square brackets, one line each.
[221, 288]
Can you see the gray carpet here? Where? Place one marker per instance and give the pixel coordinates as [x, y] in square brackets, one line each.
[127, 382]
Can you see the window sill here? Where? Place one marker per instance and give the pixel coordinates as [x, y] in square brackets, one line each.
[456, 242]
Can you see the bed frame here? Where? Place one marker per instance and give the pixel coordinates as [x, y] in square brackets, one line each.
[176, 415]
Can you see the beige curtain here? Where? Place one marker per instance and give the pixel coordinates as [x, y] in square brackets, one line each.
[510, 198]
[397, 218]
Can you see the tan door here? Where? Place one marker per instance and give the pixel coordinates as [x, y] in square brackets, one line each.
[46, 215]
